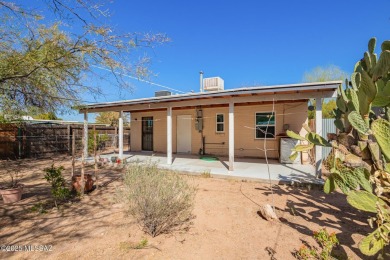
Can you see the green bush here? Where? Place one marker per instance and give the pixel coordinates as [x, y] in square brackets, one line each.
[59, 191]
[101, 140]
[325, 240]
[160, 200]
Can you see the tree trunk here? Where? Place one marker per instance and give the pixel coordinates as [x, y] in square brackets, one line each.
[73, 150]
[95, 155]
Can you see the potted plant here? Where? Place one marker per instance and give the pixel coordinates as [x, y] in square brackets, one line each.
[88, 181]
[12, 190]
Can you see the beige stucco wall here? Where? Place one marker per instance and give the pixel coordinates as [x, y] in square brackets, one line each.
[294, 114]
[159, 130]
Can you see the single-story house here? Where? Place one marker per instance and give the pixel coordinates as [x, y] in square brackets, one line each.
[231, 122]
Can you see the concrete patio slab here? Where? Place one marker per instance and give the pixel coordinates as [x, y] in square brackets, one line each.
[244, 168]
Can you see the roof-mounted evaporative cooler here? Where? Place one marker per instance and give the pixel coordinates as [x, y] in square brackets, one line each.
[213, 84]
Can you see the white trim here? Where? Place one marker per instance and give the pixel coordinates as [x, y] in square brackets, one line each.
[318, 148]
[216, 123]
[169, 135]
[85, 134]
[231, 136]
[120, 134]
[274, 125]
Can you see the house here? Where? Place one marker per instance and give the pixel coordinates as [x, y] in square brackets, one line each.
[232, 122]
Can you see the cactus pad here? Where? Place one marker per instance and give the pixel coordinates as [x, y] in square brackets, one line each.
[381, 131]
[362, 176]
[293, 156]
[303, 147]
[382, 67]
[367, 60]
[371, 45]
[339, 124]
[341, 104]
[368, 87]
[329, 185]
[358, 123]
[385, 46]
[363, 200]
[317, 139]
[371, 244]
[295, 136]
[354, 99]
[355, 79]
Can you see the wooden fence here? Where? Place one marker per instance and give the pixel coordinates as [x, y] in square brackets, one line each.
[44, 140]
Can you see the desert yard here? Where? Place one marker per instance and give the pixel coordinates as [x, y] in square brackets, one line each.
[227, 223]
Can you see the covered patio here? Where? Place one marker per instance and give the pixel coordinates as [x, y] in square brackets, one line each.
[245, 168]
[233, 101]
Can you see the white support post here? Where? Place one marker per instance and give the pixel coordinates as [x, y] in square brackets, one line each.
[85, 134]
[169, 135]
[231, 136]
[120, 133]
[129, 139]
[318, 151]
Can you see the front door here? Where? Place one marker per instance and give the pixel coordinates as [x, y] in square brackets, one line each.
[183, 133]
[147, 133]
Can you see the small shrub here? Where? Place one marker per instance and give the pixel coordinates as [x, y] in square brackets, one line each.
[328, 162]
[160, 200]
[39, 208]
[140, 245]
[13, 180]
[325, 240]
[206, 174]
[59, 191]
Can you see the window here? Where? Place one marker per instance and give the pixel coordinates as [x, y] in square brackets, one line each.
[265, 125]
[220, 123]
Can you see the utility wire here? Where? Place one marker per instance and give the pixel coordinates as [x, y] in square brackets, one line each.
[92, 102]
[142, 80]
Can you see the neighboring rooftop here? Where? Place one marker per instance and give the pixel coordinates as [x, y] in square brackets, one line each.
[57, 122]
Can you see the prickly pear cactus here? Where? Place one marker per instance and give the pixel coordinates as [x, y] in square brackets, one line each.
[381, 131]
[361, 166]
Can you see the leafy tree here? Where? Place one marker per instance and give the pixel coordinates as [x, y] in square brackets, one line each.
[110, 118]
[47, 116]
[47, 63]
[327, 109]
[322, 74]
[59, 191]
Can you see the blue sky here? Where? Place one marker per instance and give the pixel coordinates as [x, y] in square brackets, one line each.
[248, 42]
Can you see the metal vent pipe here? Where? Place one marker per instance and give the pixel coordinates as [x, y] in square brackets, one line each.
[201, 81]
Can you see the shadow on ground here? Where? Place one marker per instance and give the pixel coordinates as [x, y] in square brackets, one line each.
[313, 205]
[76, 220]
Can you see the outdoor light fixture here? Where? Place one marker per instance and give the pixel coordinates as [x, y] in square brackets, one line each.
[311, 107]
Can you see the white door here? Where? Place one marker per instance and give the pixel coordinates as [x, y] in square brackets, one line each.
[183, 133]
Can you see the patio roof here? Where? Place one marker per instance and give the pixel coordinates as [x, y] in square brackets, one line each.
[324, 89]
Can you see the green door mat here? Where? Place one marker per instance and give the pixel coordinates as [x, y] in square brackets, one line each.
[209, 158]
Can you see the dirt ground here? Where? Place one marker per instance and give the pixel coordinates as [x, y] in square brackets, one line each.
[227, 224]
